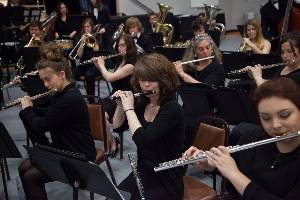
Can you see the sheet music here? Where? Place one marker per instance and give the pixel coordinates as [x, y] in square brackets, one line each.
[200, 3]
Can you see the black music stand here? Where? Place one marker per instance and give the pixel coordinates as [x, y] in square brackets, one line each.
[73, 169]
[8, 149]
[173, 54]
[30, 57]
[233, 105]
[195, 105]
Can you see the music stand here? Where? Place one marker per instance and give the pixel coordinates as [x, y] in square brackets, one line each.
[73, 169]
[30, 57]
[173, 54]
[8, 149]
[233, 105]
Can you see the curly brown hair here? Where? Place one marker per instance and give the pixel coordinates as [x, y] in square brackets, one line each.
[156, 67]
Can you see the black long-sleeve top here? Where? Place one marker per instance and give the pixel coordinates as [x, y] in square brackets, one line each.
[64, 27]
[67, 119]
[274, 175]
[160, 141]
[213, 74]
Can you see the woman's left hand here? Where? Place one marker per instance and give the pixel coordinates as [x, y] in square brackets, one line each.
[223, 161]
[127, 99]
[98, 61]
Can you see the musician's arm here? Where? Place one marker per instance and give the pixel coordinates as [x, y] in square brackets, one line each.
[72, 34]
[120, 73]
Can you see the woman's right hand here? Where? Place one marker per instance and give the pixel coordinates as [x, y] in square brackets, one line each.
[178, 67]
[203, 164]
[118, 100]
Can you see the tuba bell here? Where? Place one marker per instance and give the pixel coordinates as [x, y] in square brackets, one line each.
[166, 29]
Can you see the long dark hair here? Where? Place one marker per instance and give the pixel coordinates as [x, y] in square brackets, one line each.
[131, 50]
[58, 8]
[156, 67]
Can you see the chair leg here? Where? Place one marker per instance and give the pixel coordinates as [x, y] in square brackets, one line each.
[215, 182]
[92, 196]
[110, 171]
[3, 178]
[121, 145]
[6, 169]
[98, 88]
[107, 84]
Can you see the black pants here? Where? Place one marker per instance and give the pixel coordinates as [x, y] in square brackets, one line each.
[33, 181]
[90, 72]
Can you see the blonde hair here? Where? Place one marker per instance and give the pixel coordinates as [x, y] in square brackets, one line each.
[132, 22]
[259, 38]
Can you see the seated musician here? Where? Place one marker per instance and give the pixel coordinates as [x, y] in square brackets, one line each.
[86, 52]
[35, 29]
[199, 26]
[253, 39]
[67, 119]
[152, 20]
[119, 78]
[156, 123]
[63, 26]
[270, 171]
[209, 71]
[290, 54]
[134, 27]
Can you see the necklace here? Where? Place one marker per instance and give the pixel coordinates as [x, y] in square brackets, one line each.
[275, 161]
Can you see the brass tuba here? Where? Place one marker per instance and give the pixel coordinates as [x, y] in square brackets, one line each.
[166, 29]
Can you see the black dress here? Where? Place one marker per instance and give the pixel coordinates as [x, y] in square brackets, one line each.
[273, 175]
[212, 74]
[157, 142]
[123, 84]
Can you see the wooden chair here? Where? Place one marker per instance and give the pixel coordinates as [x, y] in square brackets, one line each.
[212, 132]
[98, 128]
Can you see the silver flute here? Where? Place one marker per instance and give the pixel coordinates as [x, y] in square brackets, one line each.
[18, 101]
[17, 80]
[133, 163]
[86, 62]
[139, 94]
[241, 71]
[232, 149]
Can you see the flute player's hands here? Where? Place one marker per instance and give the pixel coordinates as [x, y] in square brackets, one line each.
[26, 102]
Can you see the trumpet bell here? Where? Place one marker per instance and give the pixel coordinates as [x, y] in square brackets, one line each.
[90, 41]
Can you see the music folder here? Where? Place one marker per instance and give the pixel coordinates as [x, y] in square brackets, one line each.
[73, 169]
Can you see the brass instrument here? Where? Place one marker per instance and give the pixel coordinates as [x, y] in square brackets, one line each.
[17, 80]
[89, 40]
[37, 41]
[86, 62]
[119, 32]
[166, 29]
[240, 71]
[242, 47]
[211, 12]
[18, 101]
[232, 149]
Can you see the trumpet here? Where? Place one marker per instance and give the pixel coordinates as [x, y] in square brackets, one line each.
[241, 71]
[86, 62]
[38, 96]
[34, 42]
[17, 80]
[139, 94]
[232, 149]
